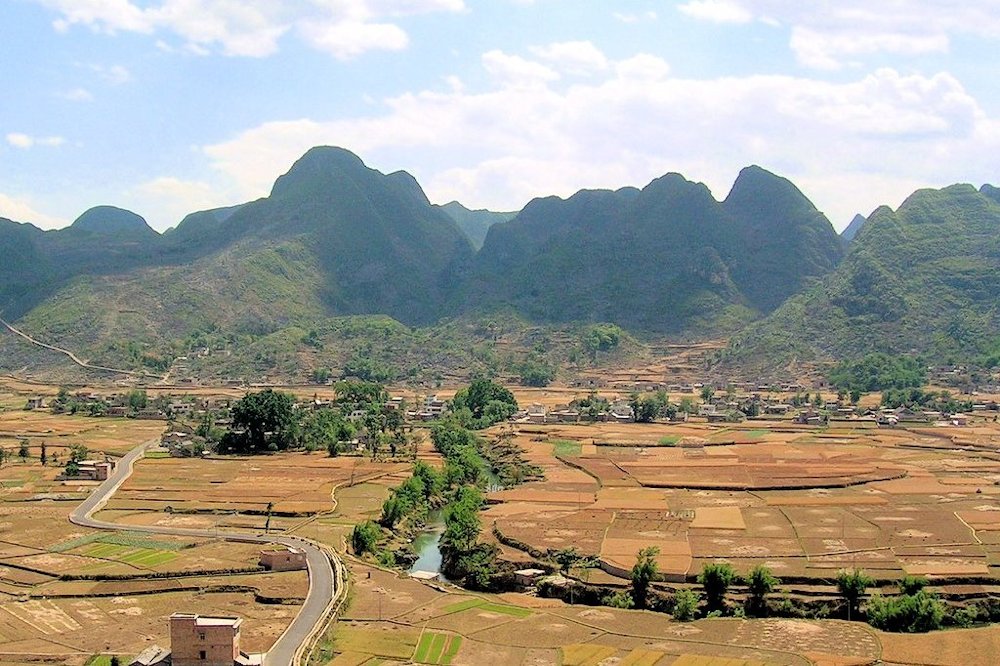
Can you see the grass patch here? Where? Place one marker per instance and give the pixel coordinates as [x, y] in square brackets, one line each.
[437, 648]
[506, 610]
[758, 433]
[464, 605]
[567, 448]
[482, 604]
[669, 440]
[157, 454]
[424, 647]
[104, 660]
[453, 647]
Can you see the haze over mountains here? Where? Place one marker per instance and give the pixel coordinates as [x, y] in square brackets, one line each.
[338, 238]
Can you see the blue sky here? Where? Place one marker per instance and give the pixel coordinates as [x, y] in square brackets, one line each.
[170, 106]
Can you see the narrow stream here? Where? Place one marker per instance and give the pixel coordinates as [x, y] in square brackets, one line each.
[426, 545]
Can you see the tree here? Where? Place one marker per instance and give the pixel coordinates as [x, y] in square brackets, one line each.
[44, 455]
[267, 523]
[22, 451]
[715, 579]
[760, 583]
[483, 394]
[3, 456]
[137, 399]
[706, 393]
[267, 420]
[78, 452]
[852, 584]
[912, 584]
[364, 537]
[685, 605]
[325, 429]
[644, 571]
[115, 661]
[72, 468]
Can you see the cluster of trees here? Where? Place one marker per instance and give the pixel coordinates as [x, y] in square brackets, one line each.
[647, 409]
[457, 488]
[536, 371]
[941, 401]
[878, 372]
[135, 400]
[267, 421]
[412, 500]
[602, 338]
[483, 403]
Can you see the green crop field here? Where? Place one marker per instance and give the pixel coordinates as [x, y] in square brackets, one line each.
[437, 648]
[482, 604]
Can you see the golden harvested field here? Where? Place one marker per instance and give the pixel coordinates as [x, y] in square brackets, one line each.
[803, 501]
[296, 483]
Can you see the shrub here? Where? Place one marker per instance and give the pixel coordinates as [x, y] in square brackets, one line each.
[685, 605]
[918, 612]
[364, 537]
[619, 599]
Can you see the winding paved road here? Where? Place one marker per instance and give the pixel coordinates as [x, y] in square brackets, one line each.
[326, 581]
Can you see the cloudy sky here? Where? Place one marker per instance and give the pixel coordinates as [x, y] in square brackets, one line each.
[170, 106]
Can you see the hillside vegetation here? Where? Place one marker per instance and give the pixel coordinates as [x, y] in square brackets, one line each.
[921, 279]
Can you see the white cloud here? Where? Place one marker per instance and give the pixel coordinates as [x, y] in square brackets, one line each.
[253, 28]
[634, 18]
[169, 199]
[827, 35]
[827, 50]
[23, 210]
[576, 58]
[533, 134]
[78, 95]
[115, 74]
[515, 71]
[348, 39]
[25, 141]
[717, 11]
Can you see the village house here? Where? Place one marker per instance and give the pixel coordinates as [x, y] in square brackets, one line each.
[35, 403]
[198, 640]
[536, 413]
[283, 559]
[94, 470]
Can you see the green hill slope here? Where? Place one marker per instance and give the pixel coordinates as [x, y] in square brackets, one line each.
[668, 258]
[924, 278]
[334, 238]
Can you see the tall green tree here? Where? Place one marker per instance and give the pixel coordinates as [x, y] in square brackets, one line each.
[644, 571]
[267, 419]
[487, 401]
[852, 585]
[715, 579]
[760, 583]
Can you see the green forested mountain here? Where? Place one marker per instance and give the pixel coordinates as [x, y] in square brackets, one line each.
[924, 278]
[333, 238]
[853, 228]
[668, 258]
[474, 223]
[104, 240]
